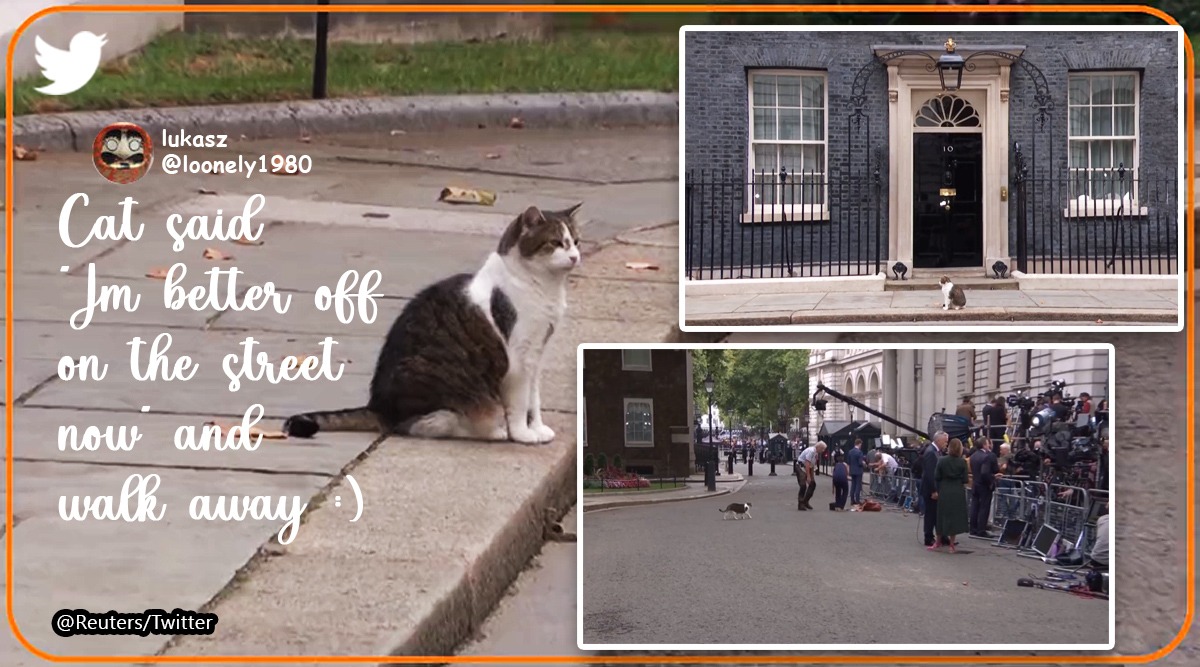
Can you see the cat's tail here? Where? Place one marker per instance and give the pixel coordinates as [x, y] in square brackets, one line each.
[351, 419]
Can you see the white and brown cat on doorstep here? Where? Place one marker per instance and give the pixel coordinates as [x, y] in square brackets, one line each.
[952, 295]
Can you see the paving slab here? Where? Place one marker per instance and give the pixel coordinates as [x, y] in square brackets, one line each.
[597, 155]
[863, 301]
[776, 302]
[188, 559]
[714, 305]
[57, 297]
[36, 432]
[208, 349]
[1054, 299]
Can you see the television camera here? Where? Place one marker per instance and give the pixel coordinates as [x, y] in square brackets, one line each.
[1070, 438]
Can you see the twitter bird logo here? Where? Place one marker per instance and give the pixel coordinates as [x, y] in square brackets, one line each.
[70, 70]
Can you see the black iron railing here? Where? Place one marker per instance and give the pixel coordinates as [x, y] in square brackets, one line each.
[1096, 221]
[782, 224]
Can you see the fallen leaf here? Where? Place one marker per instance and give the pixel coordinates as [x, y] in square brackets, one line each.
[305, 139]
[492, 156]
[158, 274]
[429, 152]
[242, 240]
[206, 191]
[1099, 321]
[372, 214]
[396, 133]
[213, 253]
[453, 195]
[282, 169]
[641, 266]
[516, 123]
[294, 361]
[22, 153]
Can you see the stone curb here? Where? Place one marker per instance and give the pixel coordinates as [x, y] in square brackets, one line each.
[75, 131]
[655, 501]
[462, 612]
[975, 315]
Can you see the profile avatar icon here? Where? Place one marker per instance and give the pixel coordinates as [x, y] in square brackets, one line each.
[122, 152]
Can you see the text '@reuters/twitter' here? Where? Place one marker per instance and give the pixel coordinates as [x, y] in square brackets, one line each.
[71, 622]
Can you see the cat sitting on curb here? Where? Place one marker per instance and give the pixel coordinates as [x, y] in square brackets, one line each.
[952, 295]
[464, 358]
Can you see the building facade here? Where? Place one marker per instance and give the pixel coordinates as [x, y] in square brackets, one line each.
[911, 385]
[637, 405]
[856, 153]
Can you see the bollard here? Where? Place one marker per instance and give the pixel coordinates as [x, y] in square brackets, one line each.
[772, 474]
[710, 475]
[750, 466]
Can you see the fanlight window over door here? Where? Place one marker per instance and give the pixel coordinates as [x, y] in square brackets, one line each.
[947, 111]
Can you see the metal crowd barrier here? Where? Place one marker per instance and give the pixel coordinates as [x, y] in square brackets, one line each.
[897, 490]
[1067, 512]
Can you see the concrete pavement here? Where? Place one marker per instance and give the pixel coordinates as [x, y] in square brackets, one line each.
[873, 308]
[446, 526]
[819, 577]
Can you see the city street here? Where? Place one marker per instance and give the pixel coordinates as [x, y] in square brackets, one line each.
[678, 574]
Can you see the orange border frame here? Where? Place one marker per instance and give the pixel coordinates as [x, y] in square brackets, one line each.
[1189, 67]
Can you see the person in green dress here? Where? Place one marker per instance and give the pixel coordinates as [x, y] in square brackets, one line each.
[951, 475]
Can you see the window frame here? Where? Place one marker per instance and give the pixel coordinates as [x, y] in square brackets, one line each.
[647, 367]
[625, 426]
[1101, 208]
[765, 213]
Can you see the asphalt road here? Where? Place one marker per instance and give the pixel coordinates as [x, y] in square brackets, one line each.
[676, 573]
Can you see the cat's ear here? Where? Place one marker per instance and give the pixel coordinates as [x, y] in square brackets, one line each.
[532, 217]
[570, 212]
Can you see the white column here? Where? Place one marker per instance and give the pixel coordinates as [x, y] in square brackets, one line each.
[888, 378]
[997, 188]
[928, 403]
[895, 248]
[906, 394]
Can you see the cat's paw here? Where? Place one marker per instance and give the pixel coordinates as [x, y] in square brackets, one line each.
[545, 433]
[524, 434]
[945, 307]
[499, 433]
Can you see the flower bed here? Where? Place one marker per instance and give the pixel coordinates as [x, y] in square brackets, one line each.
[613, 478]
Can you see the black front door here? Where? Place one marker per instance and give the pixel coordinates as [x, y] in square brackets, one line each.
[947, 208]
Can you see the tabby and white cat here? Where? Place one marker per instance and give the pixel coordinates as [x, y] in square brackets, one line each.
[464, 358]
[952, 295]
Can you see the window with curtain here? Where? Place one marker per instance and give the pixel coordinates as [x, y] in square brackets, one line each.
[788, 129]
[1102, 109]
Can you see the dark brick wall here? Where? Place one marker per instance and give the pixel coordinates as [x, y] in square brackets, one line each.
[716, 122]
[605, 388]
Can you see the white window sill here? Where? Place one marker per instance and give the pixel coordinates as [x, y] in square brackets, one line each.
[1104, 209]
[795, 215]
[637, 368]
[639, 444]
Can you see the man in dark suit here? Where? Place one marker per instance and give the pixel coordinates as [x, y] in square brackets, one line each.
[854, 459]
[928, 460]
[983, 482]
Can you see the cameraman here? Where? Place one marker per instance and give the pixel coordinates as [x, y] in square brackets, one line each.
[1025, 462]
[1062, 411]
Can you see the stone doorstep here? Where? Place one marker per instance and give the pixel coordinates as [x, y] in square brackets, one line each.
[974, 283]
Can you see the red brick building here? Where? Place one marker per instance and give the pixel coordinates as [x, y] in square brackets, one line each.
[637, 406]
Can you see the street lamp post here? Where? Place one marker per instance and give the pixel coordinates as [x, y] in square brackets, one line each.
[710, 466]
